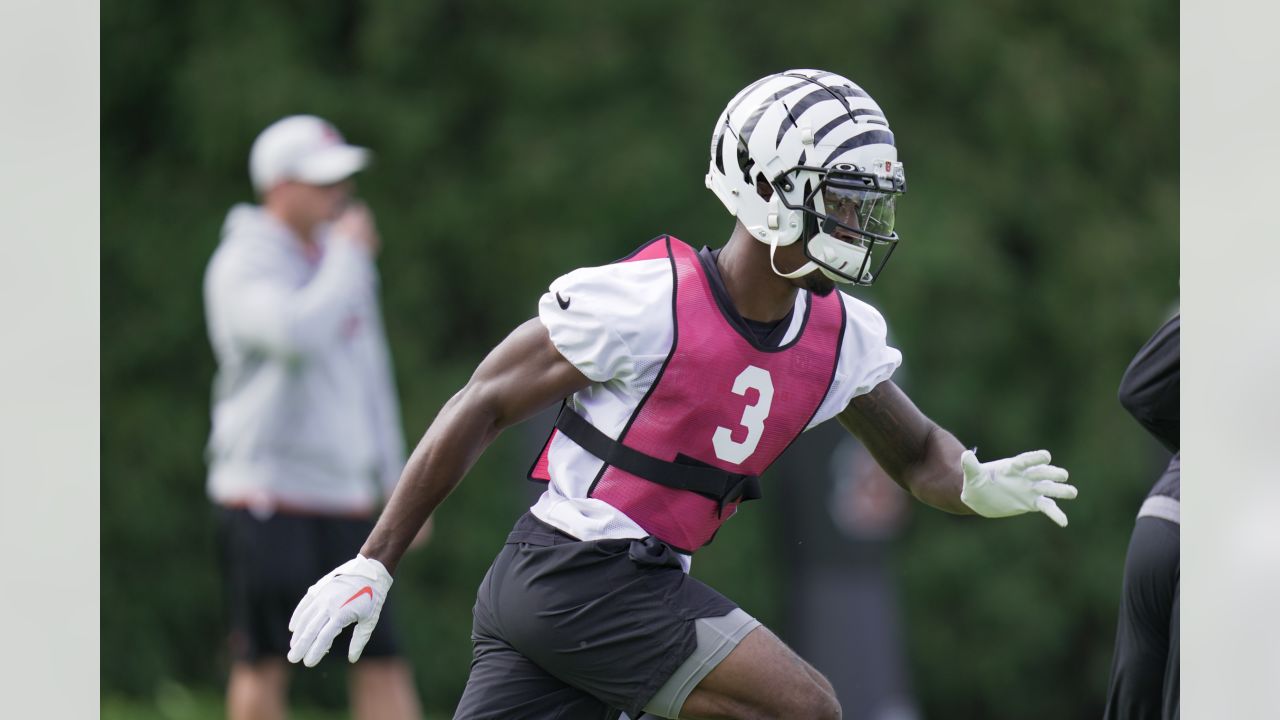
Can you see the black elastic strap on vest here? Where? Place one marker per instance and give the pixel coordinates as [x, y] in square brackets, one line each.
[719, 485]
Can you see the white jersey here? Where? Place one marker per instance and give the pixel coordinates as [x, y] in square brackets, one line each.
[614, 323]
[304, 406]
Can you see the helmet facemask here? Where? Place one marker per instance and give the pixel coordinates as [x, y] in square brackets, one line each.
[849, 214]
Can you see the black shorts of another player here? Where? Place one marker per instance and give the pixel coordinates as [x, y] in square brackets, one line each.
[1144, 669]
[268, 564]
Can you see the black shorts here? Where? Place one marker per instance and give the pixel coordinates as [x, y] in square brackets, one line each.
[574, 630]
[267, 566]
[1144, 669]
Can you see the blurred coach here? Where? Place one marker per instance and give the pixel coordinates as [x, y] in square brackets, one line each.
[306, 438]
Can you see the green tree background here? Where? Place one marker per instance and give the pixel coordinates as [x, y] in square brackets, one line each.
[516, 141]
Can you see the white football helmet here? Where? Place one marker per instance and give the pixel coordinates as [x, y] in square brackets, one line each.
[824, 148]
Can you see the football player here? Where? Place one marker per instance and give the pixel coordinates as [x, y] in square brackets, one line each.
[1145, 664]
[683, 373]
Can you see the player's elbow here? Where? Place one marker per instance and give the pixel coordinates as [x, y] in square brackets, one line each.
[482, 403]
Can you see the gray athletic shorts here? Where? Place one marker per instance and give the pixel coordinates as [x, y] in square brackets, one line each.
[571, 630]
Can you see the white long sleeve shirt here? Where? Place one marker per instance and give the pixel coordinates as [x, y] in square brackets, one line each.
[305, 414]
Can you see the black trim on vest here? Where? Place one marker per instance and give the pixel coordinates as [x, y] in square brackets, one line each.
[835, 365]
[777, 329]
[719, 485]
[675, 340]
[640, 249]
[734, 318]
[550, 436]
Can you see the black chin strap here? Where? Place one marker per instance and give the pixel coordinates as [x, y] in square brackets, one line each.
[719, 485]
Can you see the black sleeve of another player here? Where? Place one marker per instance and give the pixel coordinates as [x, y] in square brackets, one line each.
[1149, 388]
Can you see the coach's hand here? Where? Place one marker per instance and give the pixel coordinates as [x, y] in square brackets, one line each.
[352, 593]
[356, 225]
[1012, 486]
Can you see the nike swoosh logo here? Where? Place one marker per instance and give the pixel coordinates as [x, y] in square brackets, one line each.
[366, 590]
[564, 304]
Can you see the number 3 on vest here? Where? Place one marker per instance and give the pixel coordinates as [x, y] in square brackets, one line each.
[753, 416]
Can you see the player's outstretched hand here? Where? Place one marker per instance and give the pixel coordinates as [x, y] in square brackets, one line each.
[1012, 486]
[352, 593]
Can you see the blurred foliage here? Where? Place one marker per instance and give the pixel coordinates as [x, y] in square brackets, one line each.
[172, 701]
[516, 141]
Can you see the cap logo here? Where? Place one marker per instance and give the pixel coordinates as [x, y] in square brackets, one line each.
[329, 135]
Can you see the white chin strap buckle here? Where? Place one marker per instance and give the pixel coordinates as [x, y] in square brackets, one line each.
[801, 271]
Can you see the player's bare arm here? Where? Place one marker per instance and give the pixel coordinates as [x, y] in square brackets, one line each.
[522, 375]
[933, 466]
[918, 454]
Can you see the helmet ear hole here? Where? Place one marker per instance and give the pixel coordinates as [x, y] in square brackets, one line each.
[763, 188]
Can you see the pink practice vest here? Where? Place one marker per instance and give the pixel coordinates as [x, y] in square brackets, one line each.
[719, 400]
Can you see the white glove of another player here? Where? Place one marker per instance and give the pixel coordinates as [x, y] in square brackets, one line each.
[352, 593]
[1016, 485]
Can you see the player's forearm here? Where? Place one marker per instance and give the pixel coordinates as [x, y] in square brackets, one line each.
[451, 445]
[522, 375]
[936, 479]
[918, 454]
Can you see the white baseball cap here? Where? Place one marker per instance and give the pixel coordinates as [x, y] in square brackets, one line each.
[303, 148]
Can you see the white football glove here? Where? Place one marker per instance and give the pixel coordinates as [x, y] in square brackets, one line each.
[353, 592]
[1016, 485]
